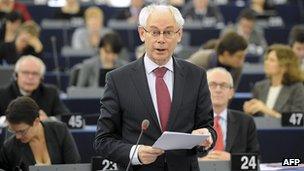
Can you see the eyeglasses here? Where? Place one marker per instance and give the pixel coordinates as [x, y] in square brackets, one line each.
[20, 132]
[223, 86]
[28, 73]
[169, 34]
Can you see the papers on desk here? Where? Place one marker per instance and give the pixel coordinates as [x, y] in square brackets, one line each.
[278, 166]
[176, 140]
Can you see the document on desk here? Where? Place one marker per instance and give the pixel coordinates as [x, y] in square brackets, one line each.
[177, 140]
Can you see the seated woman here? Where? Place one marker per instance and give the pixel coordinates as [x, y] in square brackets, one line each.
[8, 29]
[34, 142]
[26, 43]
[88, 37]
[283, 91]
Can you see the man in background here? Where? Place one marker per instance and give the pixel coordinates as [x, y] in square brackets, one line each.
[28, 81]
[229, 54]
[296, 42]
[236, 131]
[144, 90]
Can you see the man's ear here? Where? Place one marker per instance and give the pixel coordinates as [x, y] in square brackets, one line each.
[180, 35]
[231, 93]
[15, 76]
[141, 33]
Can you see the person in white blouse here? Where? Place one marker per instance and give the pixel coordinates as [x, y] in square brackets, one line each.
[283, 90]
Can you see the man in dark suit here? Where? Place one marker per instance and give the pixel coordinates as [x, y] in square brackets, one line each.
[236, 130]
[171, 93]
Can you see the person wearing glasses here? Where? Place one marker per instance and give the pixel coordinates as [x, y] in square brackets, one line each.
[171, 93]
[35, 142]
[28, 81]
[236, 131]
[229, 53]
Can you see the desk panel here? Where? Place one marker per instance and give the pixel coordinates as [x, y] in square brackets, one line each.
[275, 144]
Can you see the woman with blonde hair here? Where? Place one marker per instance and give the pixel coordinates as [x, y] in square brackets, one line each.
[89, 36]
[283, 90]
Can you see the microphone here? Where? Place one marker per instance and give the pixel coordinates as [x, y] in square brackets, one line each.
[56, 62]
[144, 126]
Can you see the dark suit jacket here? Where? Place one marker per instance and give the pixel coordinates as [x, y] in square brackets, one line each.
[46, 96]
[127, 102]
[60, 143]
[290, 99]
[241, 133]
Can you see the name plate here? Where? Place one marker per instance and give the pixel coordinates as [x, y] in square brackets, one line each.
[292, 119]
[75, 121]
[245, 161]
[99, 163]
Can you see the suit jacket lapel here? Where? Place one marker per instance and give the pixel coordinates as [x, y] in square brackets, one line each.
[265, 92]
[141, 83]
[178, 90]
[232, 130]
[282, 98]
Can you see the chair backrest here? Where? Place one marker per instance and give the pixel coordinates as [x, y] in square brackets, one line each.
[74, 75]
[6, 75]
[85, 92]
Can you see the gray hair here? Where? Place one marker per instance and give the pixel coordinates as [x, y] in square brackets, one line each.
[33, 58]
[221, 70]
[146, 11]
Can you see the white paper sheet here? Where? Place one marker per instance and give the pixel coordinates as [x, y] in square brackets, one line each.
[176, 140]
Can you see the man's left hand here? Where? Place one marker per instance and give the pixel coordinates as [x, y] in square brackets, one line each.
[204, 131]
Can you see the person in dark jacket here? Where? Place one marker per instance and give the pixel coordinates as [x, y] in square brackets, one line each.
[35, 142]
[26, 43]
[29, 71]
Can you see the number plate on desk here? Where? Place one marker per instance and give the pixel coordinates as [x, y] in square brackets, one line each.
[292, 119]
[240, 162]
[99, 163]
[73, 121]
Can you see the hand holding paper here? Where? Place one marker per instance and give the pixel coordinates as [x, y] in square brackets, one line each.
[204, 131]
[177, 140]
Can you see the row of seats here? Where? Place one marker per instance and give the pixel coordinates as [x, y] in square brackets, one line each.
[289, 12]
[194, 35]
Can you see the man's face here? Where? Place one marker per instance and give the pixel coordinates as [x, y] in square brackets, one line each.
[298, 49]
[161, 35]
[220, 89]
[235, 60]
[29, 75]
[245, 27]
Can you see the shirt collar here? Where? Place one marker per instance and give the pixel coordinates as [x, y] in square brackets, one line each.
[150, 65]
[223, 114]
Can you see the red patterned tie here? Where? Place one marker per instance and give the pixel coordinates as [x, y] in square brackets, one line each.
[219, 145]
[162, 96]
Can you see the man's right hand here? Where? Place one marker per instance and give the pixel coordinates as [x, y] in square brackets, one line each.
[148, 154]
